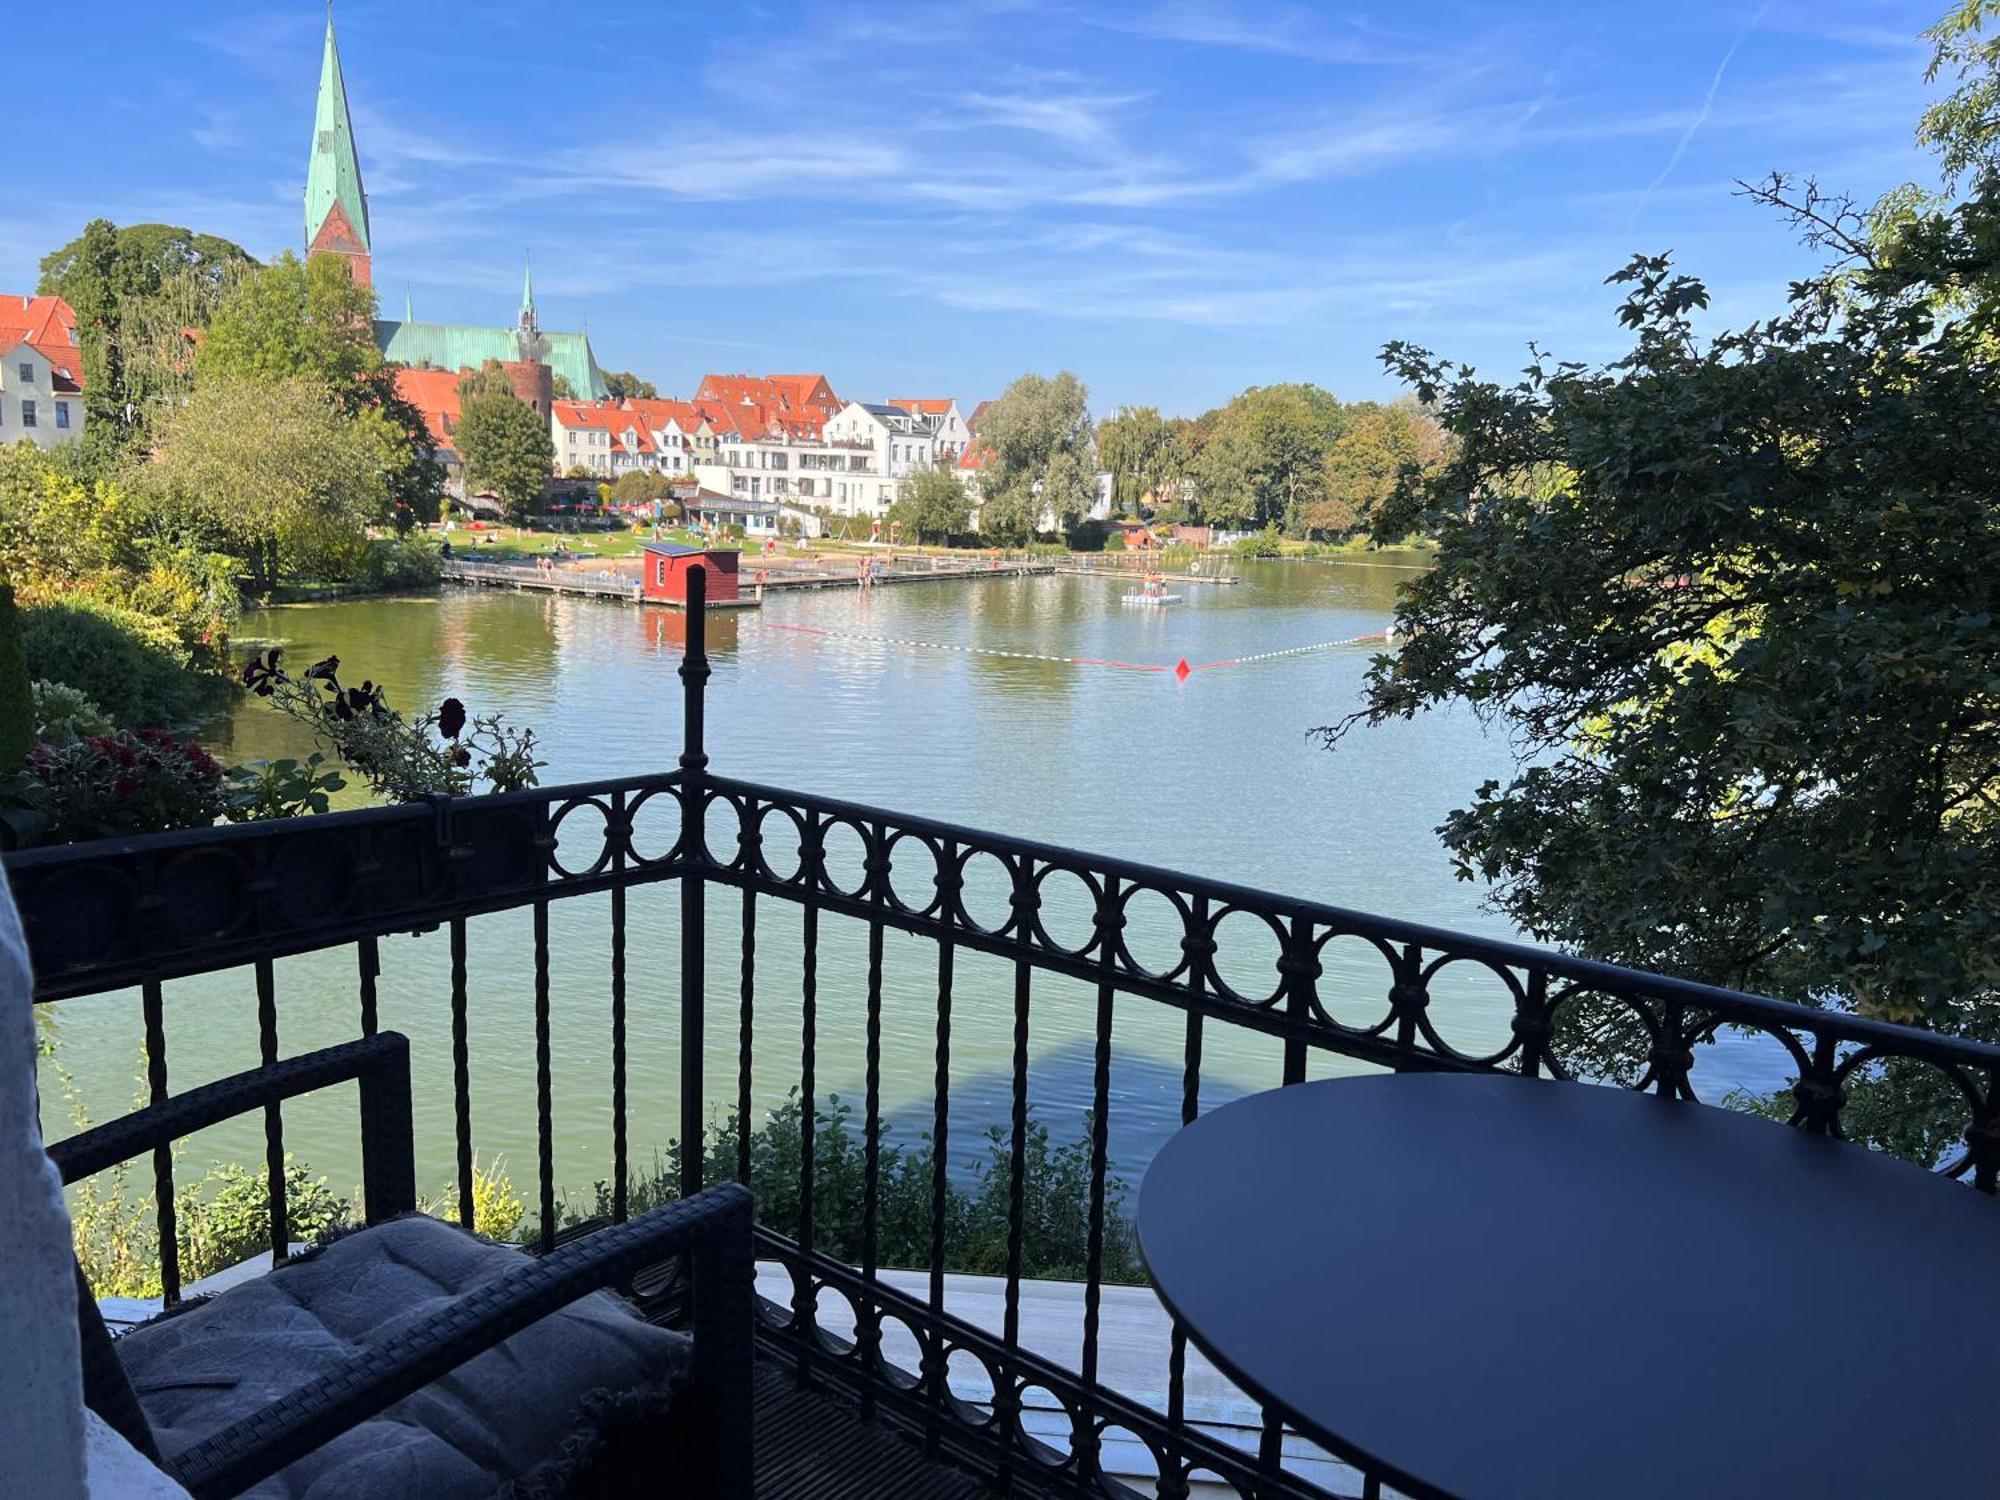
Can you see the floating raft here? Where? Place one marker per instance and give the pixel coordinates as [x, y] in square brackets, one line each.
[1149, 598]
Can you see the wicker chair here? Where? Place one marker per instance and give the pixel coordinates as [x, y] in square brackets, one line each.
[515, 1342]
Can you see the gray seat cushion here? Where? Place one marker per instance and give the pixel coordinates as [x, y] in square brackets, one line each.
[519, 1410]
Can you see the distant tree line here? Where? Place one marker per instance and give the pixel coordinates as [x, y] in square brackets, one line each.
[1291, 459]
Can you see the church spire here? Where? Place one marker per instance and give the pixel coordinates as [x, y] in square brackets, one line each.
[527, 286]
[336, 205]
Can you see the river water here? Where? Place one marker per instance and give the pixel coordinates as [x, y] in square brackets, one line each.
[1215, 774]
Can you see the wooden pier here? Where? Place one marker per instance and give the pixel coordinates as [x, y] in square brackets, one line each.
[593, 585]
[604, 583]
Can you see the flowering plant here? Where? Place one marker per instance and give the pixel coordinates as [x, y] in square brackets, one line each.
[446, 752]
[127, 782]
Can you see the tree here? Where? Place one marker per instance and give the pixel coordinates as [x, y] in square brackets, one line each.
[147, 257]
[1365, 462]
[931, 505]
[137, 291]
[311, 320]
[94, 296]
[1038, 431]
[1144, 454]
[490, 379]
[1733, 597]
[292, 319]
[560, 388]
[623, 384]
[276, 471]
[1262, 457]
[640, 485]
[507, 449]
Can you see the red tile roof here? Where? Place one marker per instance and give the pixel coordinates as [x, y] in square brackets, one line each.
[629, 433]
[795, 397]
[935, 406]
[976, 456]
[435, 394]
[657, 411]
[978, 413]
[48, 326]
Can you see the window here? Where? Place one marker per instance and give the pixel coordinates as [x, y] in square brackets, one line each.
[661, 576]
[27, 414]
[27, 374]
[62, 414]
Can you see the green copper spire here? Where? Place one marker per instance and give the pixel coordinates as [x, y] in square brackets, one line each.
[334, 176]
[527, 285]
[409, 306]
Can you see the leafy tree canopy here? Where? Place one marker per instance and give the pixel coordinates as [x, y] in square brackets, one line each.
[488, 380]
[1042, 465]
[310, 320]
[931, 505]
[623, 383]
[1733, 595]
[281, 476]
[1261, 458]
[1143, 452]
[146, 257]
[296, 319]
[507, 449]
[1365, 462]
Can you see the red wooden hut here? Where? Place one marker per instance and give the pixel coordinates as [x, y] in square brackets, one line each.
[663, 572]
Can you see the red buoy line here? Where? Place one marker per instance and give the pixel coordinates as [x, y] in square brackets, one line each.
[1181, 669]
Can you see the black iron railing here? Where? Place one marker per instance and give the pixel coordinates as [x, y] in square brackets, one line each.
[121, 914]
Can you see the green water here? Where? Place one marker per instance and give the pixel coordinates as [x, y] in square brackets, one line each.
[1215, 774]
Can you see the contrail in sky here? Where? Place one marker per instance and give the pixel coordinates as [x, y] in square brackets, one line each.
[1707, 104]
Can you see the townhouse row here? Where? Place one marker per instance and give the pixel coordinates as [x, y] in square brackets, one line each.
[786, 438]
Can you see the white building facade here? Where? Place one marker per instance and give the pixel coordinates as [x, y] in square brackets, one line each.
[40, 402]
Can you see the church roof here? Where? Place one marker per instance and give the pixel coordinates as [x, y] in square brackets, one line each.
[458, 346]
[333, 178]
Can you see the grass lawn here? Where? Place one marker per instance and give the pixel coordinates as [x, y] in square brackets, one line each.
[510, 543]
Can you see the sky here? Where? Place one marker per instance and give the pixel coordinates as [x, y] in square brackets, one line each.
[1176, 199]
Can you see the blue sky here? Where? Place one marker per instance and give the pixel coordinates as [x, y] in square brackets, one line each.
[1174, 198]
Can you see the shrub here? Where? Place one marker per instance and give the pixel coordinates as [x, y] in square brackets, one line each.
[133, 666]
[17, 701]
[445, 752]
[123, 783]
[232, 1221]
[63, 715]
[285, 788]
[412, 563]
[1055, 1196]
[1259, 544]
[497, 1210]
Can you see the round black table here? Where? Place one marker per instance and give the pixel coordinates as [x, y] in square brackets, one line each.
[1492, 1286]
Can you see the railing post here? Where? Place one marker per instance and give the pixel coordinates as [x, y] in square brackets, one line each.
[694, 860]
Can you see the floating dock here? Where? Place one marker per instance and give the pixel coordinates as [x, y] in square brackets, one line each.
[1128, 573]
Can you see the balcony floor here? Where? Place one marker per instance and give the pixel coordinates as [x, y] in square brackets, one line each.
[811, 1445]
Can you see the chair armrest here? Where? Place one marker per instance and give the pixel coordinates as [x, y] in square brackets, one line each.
[381, 1065]
[712, 1227]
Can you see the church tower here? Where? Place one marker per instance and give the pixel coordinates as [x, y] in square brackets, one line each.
[532, 380]
[336, 205]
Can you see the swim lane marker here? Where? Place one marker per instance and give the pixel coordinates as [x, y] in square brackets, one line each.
[1182, 669]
